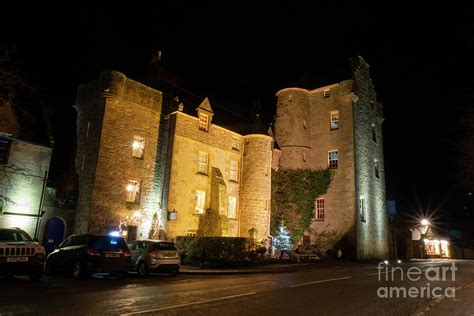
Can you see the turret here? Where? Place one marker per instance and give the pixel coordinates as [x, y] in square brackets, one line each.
[292, 127]
[256, 186]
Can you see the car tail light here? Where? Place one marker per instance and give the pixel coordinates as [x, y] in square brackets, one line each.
[152, 250]
[93, 252]
[127, 253]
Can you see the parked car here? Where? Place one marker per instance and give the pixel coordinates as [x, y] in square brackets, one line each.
[19, 254]
[154, 256]
[82, 255]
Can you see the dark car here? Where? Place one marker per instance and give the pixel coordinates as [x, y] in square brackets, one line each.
[82, 255]
[19, 254]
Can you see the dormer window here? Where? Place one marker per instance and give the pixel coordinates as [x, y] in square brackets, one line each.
[203, 122]
[326, 93]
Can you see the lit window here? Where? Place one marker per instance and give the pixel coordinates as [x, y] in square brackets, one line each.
[335, 120]
[234, 169]
[202, 163]
[320, 209]
[376, 164]
[235, 143]
[200, 201]
[138, 146]
[326, 93]
[333, 159]
[374, 134]
[304, 157]
[362, 209]
[133, 192]
[232, 207]
[304, 124]
[203, 122]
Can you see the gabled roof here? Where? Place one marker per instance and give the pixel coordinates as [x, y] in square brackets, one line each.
[205, 106]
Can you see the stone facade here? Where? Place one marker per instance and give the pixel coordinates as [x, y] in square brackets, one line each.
[112, 111]
[342, 117]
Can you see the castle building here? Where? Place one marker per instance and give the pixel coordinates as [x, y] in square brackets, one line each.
[339, 127]
[155, 171]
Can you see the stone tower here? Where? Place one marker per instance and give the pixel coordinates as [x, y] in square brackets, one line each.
[256, 186]
[339, 126]
[117, 134]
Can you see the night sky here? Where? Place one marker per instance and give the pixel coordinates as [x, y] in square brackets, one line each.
[421, 62]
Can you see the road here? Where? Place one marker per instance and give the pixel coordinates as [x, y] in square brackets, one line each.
[337, 289]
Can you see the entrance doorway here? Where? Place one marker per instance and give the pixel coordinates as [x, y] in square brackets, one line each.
[53, 234]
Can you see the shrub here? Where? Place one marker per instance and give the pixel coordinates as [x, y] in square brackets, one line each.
[215, 250]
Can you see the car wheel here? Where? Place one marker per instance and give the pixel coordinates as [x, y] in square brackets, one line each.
[48, 270]
[79, 271]
[142, 269]
[175, 271]
[35, 275]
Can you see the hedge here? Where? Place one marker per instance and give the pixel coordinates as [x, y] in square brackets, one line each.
[215, 250]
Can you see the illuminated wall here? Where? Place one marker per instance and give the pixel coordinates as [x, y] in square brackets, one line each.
[21, 183]
[112, 112]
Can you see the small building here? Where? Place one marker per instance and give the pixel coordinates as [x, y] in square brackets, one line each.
[428, 242]
[23, 175]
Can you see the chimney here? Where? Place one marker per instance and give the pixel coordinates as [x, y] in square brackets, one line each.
[155, 58]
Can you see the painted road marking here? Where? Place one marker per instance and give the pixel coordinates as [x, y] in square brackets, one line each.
[190, 304]
[321, 281]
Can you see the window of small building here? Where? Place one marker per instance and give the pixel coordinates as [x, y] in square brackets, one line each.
[334, 120]
[200, 202]
[203, 162]
[362, 210]
[138, 147]
[232, 207]
[376, 165]
[374, 133]
[319, 204]
[234, 170]
[133, 191]
[235, 143]
[203, 122]
[333, 159]
[326, 93]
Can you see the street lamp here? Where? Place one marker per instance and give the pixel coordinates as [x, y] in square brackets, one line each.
[425, 222]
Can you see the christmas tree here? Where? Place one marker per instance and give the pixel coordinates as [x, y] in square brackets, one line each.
[282, 239]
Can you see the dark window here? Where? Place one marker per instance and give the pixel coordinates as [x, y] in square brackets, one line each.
[5, 145]
[374, 135]
[376, 169]
[107, 243]
[164, 246]
[11, 235]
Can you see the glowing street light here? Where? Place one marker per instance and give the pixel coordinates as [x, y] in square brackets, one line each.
[425, 222]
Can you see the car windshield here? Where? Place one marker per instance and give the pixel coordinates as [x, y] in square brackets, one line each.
[12, 235]
[107, 243]
[164, 246]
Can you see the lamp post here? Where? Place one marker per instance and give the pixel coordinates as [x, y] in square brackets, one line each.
[423, 229]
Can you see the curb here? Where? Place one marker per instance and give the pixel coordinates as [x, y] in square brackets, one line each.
[236, 272]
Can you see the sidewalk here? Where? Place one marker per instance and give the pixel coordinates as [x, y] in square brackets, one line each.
[269, 268]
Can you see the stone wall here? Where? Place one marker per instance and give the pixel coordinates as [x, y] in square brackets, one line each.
[304, 118]
[187, 141]
[255, 205]
[339, 201]
[371, 234]
[111, 112]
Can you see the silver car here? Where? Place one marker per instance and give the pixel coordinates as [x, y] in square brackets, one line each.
[154, 256]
